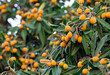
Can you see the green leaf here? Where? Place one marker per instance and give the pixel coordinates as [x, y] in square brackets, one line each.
[75, 49]
[104, 24]
[24, 34]
[100, 44]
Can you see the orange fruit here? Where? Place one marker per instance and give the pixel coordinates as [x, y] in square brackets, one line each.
[44, 54]
[69, 35]
[87, 10]
[26, 61]
[108, 14]
[19, 12]
[1, 57]
[76, 37]
[57, 43]
[67, 15]
[33, 69]
[63, 17]
[36, 64]
[35, 15]
[79, 10]
[31, 60]
[11, 37]
[6, 43]
[93, 20]
[84, 27]
[81, 2]
[82, 17]
[12, 58]
[37, 4]
[79, 39]
[95, 59]
[53, 63]
[12, 43]
[23, 67]
[14, 50]
[67, 28]
[49, 64]
[3, 51]
[72, 11]
[3, 10]
[67, 38]
[63, 38]
[41, 11]
[34, 10]
[29, 17]
[80, 64]
[7, 39]
[7, 49]
[23, 22]
[89, 1]
[63, 44]
[39, 19]
[32, 55]
[108, 65]
[71, 17]
[65, 66]
[61, 64]
[103, 15]
[85, 71]
[21, 27]
[53, 1]
[22, 60]
[24, 15]
[24, 49]
[103, 61]
[3, 45]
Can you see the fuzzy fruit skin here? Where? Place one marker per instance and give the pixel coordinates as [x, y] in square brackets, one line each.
[63, 44]
[24, 49]
[14, 50]
[65, 66]
[81, 2]
[23, 67]
[103, 61]
[68, 28]
[33, 69]
[85, 71]
[87, 10]
[108, 14]
[44, 54]
[103, 15]
[63, 38]
[82, 17]
[76, 37]
[84, 27]
[36, 64]
[79, 10]
[108, 65]
[32, 55]
[1, 57]
[61, 64]
[93, 20]
[49, 64]
[53, 63]
[80, 64]
[39, 19]
[57, 43]
[95, 59]
[12, 58]
[79, 39]
[67, 38]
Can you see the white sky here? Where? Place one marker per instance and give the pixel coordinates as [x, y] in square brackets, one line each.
[16, 21]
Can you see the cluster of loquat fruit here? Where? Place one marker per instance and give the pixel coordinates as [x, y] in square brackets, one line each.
[3, 7]
[52, 62]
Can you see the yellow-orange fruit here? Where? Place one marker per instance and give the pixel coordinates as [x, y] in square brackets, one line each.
[19, 12]
[72, 11]
[39, 19]
[15, 41]
[108, 14]
[103, 15]
[22, 60]
[82, 17]
[85, 71]
[67, 15]
[79, 10]
[81, 2]
[93, 20]
[21, 27]
[41, 11]
[12, 58]
[61, 64]
[103, 61]
[36, 64]
[14, 50]
[53, 63]
[63, 17]
[6, 36]
[37, 4]
[67, 28]
[76, 37]
[32, 55]
[69, 35]
[6, 43]
[7, 39]
[3, 45]
[65, 66]
[105, 7]
[95, 59]
[1, 57]
[49, 64]
[29, 17]
[26, 61]
[98, 55]
[11, 37]
[7, 49]
[63, 38]
[24, 49]
[57, 43]
[80, 64]
[108, 65]
[24, 15]
[12, 43]
[35, 15]
[3, 10]
[87, 10]
[23, 22]
[44, 54]
[53, 1]
[84, 27]
[67, 38]
[79, 39]
[63, 44]
[71, 17]
[23, 67]
[34, 10]
[89, 1]
[33, 69]
[3, 51]
[31, 61]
